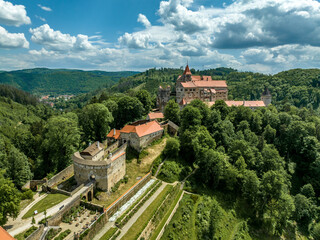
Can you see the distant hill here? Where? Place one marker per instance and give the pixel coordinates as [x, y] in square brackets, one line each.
[61, 81]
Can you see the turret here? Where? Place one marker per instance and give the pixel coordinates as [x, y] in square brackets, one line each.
[266, 97]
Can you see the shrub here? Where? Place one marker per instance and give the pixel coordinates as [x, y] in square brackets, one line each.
[26, 194]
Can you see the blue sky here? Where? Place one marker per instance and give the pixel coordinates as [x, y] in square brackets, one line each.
[250, 35]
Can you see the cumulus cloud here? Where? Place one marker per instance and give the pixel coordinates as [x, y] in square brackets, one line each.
[55, 40]
[175, 12]
[144, 20]
[12, 40]
[13, 15]
[138, 40]
[44, 8]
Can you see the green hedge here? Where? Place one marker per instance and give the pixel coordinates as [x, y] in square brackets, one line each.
[63, 234]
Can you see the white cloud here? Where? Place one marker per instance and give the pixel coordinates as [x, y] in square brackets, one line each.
[44, 8]
[134, 40]
[144, 20]
[41, 18]
[55, 40]
[13, 15]
[12, 40]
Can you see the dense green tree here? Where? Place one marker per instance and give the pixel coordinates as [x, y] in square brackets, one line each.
[95, 120]
[129, 109]
[222, 107]
[269, 134]
[172, 112]
[305, 210]
[212, 167]
[203, 108]
[9, 199]
[19, 167]
[190, 117]
[62, 137]
[172, 148]
[145, 98]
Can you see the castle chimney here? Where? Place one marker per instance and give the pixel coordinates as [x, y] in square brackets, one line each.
[89, 143]
[114, 131]
[98, 144]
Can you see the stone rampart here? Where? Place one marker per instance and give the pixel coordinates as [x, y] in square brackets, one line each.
[36, 234]
[114, 207]
[61, 176]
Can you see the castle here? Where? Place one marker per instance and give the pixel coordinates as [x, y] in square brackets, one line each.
[104, 166]
[190, 87]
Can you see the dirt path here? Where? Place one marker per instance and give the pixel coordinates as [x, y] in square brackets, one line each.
[140, 211]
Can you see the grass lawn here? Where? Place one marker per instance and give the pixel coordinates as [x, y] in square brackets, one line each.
[109, 234]
[46, 203]
[133, 170]
[143, 220]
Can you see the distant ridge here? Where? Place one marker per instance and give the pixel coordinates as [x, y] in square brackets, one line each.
[42, 81]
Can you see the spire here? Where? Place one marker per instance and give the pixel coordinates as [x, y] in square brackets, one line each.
[187, 71]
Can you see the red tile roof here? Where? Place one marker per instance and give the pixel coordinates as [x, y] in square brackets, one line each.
[112, 135]
[4, 235]
[231, 103]
[143, 129]
[254, 104]
[155, 115]
[208, 84]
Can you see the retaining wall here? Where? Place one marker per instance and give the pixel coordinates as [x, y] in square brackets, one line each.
[56, 219]
[92, 206]
[36, 234]
[61, 176]
[114, 207]
[94, 228]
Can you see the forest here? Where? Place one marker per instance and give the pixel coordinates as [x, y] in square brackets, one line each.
[264, 164]
[42, 81]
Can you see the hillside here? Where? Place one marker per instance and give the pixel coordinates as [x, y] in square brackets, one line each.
[60, 81]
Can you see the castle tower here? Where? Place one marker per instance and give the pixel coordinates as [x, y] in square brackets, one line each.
[163, 97]
[186, 76]
[266, 97]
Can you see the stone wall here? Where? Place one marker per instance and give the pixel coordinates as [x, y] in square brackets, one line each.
[116, 171]
[112, 147]
[61, 176]
[32, 184]
[92, 206]
[56, 219]
[94, 228]
[113, 208]
[36, 234]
